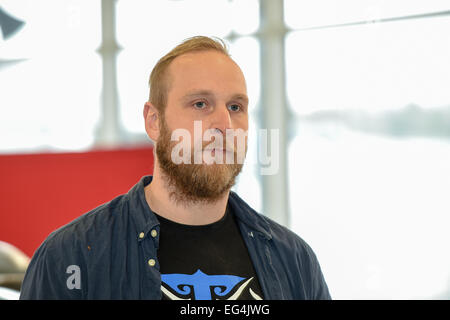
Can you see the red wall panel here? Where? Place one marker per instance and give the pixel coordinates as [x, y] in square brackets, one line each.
[41, 192]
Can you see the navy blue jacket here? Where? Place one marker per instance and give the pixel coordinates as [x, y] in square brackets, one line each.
[113, 252]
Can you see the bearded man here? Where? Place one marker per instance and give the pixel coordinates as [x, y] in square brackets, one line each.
[182, 233]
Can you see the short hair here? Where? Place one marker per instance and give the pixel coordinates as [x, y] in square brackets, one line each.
[158, 78]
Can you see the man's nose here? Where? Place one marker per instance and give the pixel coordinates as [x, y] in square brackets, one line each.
[221, 119]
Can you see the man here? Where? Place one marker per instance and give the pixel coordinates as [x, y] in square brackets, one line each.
[181, 234]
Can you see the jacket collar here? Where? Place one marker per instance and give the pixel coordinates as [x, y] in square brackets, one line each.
[249, 217]
[145, 219]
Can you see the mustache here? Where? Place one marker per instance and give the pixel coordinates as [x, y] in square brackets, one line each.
[208, 147]
[212, 145]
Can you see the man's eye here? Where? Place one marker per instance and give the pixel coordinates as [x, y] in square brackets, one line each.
[200, 104]
[234, 107]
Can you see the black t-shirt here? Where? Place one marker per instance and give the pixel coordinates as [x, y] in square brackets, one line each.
[206, 262]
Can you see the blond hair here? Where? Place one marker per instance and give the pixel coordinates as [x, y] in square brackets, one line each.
[158, 78]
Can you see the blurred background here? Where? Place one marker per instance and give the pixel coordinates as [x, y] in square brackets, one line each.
[359, 90]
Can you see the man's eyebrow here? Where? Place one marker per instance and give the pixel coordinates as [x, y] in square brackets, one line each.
[241, 96]
[238, 96]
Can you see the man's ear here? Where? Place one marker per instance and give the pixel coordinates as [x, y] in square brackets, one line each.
[151, 117]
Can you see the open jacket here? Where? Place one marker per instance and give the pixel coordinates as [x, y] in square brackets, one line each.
[113, 252]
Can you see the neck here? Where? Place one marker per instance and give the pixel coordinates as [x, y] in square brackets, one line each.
[157, 194]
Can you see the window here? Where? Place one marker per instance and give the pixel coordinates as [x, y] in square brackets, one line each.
[50, 76]
[369, 163]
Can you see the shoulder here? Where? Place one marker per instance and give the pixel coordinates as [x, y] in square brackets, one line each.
[94, 224]
[66, 250]
[288, 241]
[280, 234]
[266, 225]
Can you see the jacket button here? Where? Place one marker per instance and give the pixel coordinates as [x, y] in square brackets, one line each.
[151, 262]
[154, 233]
[141, 235]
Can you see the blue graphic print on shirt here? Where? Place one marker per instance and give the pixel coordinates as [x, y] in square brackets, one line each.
[200, 284]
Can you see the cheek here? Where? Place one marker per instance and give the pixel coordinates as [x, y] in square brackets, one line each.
[241, 123]
[177, 120]
[191, 131]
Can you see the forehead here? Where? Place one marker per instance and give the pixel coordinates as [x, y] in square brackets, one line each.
[205, 69]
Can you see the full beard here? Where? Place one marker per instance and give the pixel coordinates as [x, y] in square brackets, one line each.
[193, 183]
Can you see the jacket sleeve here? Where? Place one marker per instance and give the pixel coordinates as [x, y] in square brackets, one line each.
[51, 274]
[318, 289]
